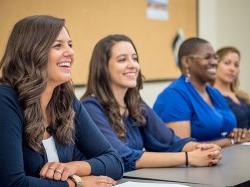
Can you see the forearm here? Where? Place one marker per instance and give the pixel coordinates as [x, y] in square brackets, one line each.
[222, 142]
[190, 146]
[155, 159]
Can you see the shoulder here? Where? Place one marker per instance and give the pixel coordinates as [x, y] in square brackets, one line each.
[10, 106]
[175, 92]
[8, 96]
[175, 88]
[218, 98]
[7, 91]
[215, 93]
[90, 99]
[92, 102]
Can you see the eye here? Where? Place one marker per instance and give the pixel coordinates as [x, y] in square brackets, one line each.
[227, 62]
[237, 65]
[208, 57]
[70, 45]
[123, 59]
[57, 46]
[216, 57]
[135, 58]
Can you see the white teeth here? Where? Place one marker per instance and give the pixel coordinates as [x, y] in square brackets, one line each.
[64, 64]
[212, 70]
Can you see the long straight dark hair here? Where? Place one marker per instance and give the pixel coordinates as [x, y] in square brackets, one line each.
[99, 84]
[24, 67]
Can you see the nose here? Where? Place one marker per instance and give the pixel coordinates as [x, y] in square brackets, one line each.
[213, 61]
[132, 63]
[68, 51]
[232, 67]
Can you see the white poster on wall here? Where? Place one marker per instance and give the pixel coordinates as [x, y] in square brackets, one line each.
[157, 10]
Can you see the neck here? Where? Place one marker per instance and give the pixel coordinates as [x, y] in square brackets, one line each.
[223, 87]
[199, 85]
[119, 94]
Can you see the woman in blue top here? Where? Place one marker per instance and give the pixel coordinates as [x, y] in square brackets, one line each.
[190, 106]
[227, 82]
[134, 130]
[46, 136]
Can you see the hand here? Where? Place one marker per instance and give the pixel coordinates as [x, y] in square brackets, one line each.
[98, 181]
[206, 146]
[57, 170]
[240, 135]
[207, 155]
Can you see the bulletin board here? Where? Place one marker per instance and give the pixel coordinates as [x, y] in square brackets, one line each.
[90, 20]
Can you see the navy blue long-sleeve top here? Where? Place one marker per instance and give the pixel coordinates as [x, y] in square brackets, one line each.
[241, 112]
[154, 136]
[20, 165]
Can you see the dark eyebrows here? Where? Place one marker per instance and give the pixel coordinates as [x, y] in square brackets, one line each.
[121, 55]
[62, 41]
[124, 55]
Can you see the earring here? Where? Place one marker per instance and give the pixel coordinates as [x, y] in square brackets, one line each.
[187, 77]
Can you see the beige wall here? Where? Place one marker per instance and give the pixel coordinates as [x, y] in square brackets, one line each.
[226, 22]
[233, 28]
[222, 22]
[149, 92]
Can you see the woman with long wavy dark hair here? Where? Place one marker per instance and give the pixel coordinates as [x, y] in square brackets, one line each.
[46, 136]
[227, 82]
[134, 130]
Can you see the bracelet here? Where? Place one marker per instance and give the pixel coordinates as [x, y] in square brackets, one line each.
[186, 156]
[232, 141]
[77, 180]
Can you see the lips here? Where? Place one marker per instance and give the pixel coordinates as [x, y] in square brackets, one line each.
[231, 76]
[131, 74]
[211, 70]
[65, 66]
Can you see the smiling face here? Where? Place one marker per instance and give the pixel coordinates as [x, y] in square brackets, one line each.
[228, 68]
[123, 66]
[60, 59]
[203, 64]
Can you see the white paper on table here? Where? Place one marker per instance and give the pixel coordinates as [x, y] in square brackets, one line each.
[246, 143]
[141, 184]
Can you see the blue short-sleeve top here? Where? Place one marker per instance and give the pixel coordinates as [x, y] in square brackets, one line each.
[180, 101]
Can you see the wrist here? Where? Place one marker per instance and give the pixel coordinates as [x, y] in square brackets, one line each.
[71, 183]
[186, 159]
[77, 180]
[82, 168]
[232, 141]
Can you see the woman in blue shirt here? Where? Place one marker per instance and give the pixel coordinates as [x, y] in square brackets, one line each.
[190, 106]
[46, 136]
[134, 130]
